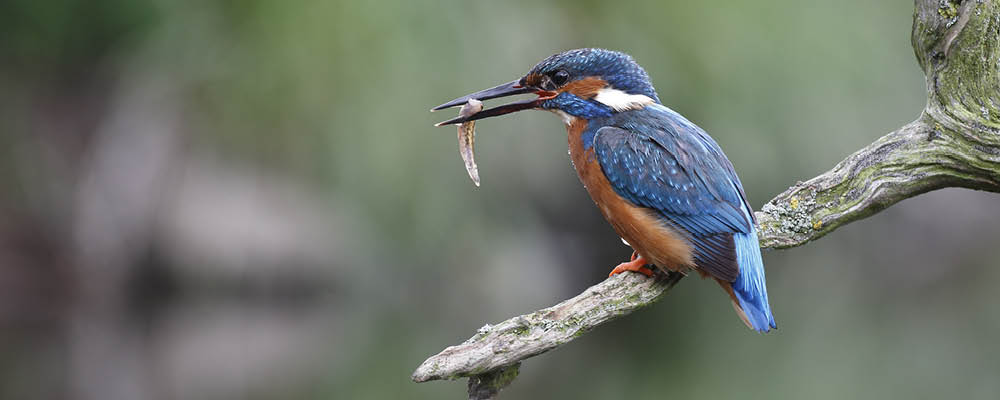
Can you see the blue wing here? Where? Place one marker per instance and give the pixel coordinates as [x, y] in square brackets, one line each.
[658, 159]
[668, 164]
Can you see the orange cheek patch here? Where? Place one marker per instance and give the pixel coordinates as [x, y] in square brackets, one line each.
[585, 88]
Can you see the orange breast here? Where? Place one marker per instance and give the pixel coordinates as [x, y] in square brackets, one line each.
[639, 226]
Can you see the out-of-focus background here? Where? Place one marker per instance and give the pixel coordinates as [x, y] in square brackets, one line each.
[248, 200]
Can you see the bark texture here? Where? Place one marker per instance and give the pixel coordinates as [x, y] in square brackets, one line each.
[954, 143]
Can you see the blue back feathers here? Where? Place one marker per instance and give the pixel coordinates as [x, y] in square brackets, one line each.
[656, 158]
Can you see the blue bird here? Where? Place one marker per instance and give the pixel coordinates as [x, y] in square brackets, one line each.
[660, 180]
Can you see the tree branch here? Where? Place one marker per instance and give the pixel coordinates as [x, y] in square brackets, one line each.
[954, 143]
[917, 158]
[529, 335]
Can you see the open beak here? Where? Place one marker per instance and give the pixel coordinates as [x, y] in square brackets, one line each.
[508, 89]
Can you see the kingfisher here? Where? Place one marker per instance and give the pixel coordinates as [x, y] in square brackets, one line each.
[661, 181]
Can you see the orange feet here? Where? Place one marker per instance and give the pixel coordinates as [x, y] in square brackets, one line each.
[637, 264]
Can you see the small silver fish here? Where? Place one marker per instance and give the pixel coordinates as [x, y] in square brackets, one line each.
[467, 139]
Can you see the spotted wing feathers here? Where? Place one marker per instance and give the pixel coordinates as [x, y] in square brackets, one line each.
[686, 182]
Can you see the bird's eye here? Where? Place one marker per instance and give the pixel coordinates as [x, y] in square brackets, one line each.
[560, 77]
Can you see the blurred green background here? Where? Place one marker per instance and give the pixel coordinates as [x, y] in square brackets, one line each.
[248, 200]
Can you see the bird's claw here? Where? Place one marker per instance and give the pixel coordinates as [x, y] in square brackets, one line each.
[636, 264]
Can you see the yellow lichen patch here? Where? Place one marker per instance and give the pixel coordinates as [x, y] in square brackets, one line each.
[817, 224]
[793, 203]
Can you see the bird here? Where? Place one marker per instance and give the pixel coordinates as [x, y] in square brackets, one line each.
[662, 182]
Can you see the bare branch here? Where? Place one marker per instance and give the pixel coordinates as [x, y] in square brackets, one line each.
[529, 335]
[954, 143]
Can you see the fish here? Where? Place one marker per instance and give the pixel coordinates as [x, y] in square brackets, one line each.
[467, 139]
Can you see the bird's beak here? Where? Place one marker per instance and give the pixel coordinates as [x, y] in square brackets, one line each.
[504, 90]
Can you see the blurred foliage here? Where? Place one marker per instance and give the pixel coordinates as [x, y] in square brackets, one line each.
[328, 101]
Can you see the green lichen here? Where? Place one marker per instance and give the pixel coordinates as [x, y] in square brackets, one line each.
[967, 84]
[486, 384]
[793, 215]
[948, 10]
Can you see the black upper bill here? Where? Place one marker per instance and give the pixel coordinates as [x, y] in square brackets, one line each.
[492, 112]
[508, 89]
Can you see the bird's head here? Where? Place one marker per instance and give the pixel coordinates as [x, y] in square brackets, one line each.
[582, 83]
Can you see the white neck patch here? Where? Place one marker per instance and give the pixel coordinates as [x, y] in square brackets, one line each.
[567, 119]
[621, 101]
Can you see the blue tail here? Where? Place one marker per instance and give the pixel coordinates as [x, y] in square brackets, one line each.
[749, 286]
